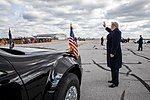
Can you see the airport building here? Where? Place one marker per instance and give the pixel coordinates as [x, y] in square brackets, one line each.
[51, 36]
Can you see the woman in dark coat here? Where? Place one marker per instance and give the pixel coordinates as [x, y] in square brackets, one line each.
[114, 53]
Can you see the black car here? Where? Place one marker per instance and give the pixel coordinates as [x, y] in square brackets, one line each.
[148, 42]
[39, 74]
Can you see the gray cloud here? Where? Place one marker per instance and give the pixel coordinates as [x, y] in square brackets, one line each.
[28, 17]
[136, 10]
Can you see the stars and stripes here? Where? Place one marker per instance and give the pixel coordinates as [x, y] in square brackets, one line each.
[73, 43]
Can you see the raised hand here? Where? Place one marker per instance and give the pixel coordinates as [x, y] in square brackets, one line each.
[104, 24]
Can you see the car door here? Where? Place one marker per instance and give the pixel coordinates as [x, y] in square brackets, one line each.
[11, 86]
[34, 70]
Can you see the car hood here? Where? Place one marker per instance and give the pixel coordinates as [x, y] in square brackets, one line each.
[27, 51]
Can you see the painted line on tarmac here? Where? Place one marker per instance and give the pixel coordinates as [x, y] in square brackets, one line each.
[138, 54]
[103, 63]
[87, 63]
[133, 63]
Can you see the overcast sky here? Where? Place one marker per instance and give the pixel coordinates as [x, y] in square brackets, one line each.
[31, 17]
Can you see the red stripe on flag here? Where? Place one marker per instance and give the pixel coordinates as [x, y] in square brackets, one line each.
[72, 44]
[73, 48]
[70, 40]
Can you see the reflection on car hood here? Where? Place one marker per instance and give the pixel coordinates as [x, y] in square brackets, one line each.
[29, 50]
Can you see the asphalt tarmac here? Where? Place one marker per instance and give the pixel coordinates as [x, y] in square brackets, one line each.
[134, 74]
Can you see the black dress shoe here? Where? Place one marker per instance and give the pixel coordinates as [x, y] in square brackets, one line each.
[110, 81]
[113, 85]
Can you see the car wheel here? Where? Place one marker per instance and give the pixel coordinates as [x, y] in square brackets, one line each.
[68, 88]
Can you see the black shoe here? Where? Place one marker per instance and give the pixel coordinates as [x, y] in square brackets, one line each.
[110, 81]
[113, 85]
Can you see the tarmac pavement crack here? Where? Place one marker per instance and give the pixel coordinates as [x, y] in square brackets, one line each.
[105, 68]
[138, 54]
[128, 69]
[123, 95]
[127, 74]
[133, 63]
[142, 81]
[138, 78]
[101, 66]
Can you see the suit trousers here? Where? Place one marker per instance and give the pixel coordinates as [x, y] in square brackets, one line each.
[140, 47]
[115, 75]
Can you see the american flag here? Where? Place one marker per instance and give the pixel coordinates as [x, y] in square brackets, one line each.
[73, 43]
[10, 39]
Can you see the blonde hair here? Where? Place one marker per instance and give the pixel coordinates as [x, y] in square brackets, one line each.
[115, 24]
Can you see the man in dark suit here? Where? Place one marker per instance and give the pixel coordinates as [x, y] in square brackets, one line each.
[140, 42]
[114, 52]
[102, 41]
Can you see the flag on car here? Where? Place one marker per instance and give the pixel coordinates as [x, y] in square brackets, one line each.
[10, 39]
[10, 36]
[73, 46]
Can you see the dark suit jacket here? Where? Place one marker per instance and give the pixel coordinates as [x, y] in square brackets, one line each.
[140, 41]
[114, 47]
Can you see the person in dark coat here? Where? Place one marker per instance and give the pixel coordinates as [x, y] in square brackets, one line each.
[102, 41]
[114, 52]
[140, 42]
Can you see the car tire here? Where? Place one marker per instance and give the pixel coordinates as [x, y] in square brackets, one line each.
[68, 88]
